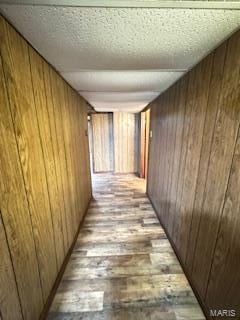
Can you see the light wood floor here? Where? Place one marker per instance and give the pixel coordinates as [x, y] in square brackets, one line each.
[123, 266]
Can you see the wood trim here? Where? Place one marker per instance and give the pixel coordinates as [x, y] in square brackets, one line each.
[148, 116]
[142, 145]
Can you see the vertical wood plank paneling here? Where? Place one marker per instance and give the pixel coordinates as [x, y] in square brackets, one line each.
[225, 277]
[36, 63]
[161, 151]
[45, 183]
[57, 144]
[102, 142]
[186, 110]
[115, 138]
[77, 136]
[221, 154]
[180, 113]
[151, 189]
[162, 136]
[9, 299]
[66, 125]
[72, 147]
[75, 150]
[125, 142]
[83, 143]
[16, 63]
[213, 101]
[55, 86]
[170, 144]
[15, 212]
[199, 108]
[193, 173]
[117, 132]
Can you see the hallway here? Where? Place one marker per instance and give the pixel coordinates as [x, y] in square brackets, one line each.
[114, 92]
[122, 265]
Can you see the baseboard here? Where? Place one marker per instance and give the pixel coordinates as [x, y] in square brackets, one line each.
[51, 296]
[203, 307]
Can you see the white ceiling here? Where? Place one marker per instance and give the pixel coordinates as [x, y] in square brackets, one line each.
[121, 58]
[121, 90]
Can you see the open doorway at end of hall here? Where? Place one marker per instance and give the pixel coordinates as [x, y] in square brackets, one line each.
[119, 142]
[100, 128]
[114, 142]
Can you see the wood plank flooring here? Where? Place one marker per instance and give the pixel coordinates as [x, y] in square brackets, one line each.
[123, 266]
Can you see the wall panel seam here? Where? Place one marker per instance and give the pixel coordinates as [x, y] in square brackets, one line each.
[204, 192]
[205, 117]
[181, 154]
[58, 155]
[54, 157]
[44, 164]
[218, 228]
[23, 178]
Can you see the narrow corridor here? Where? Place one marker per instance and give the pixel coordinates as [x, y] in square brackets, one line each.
[122, 266]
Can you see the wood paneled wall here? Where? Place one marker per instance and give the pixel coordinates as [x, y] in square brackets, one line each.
[45, 181]
[102, 142]
[125, 142]
[194, 174]
[115, 142]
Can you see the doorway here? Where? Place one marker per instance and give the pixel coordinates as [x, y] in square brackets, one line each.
[101, 144]
[114, 142]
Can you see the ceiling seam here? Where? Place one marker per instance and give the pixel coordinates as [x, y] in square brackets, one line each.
[181, 4]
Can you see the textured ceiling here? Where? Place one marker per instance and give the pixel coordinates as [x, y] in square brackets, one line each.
[124, 80]
[122, 58]
[117, 101]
